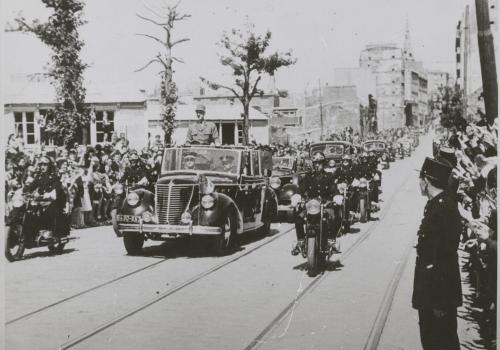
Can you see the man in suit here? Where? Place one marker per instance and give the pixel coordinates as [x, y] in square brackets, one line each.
[437, 288]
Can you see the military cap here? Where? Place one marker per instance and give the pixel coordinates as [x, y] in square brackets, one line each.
[190, 155]
[200, 108]
[437, 171]
[448, 154]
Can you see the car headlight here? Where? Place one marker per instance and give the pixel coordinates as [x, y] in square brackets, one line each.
[338, 199]
[186, 218]
[17, 200]
[147, 216]
[313, 207]
[118, 189]
[207, 201]
[132, 198]
[295, 200]
[275, 182]
[376, 177]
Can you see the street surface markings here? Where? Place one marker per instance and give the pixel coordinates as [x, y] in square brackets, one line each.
[168, 293]
[288, 310]
[91, 289]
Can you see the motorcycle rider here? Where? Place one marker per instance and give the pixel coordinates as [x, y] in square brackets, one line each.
[47, 186]
[136, 173]
[317, 183]
[346, 174]
[373, 161]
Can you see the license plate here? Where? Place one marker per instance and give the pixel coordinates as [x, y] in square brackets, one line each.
[128, 218]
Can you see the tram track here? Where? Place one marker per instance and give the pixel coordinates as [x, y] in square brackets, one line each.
[377, 327]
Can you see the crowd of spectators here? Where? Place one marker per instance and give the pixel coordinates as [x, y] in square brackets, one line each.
[87, 173]
[472, 150]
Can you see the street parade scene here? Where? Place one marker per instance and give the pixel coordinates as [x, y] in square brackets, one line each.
[249, 175]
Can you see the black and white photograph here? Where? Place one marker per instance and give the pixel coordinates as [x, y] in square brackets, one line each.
[249, 174]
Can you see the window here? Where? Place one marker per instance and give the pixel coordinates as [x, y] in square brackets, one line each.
[240, 133]
[255, 163]
[104, 125]
[24, 123]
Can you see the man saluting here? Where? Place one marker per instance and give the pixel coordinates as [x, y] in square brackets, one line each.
[437, 288]
[202, 132]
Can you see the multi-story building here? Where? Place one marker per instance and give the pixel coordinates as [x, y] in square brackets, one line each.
[400, 81]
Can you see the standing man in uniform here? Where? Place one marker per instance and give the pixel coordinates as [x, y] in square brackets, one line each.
[437, 290]
[202, 132]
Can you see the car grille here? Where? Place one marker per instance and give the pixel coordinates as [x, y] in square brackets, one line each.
[171, 201]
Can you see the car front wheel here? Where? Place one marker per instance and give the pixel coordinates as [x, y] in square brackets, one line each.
[226, 240]
[133, 242]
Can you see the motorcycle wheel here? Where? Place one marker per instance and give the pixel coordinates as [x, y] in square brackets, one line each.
[57, 247]
[312, 257]
[362, 210]
[14, 243]
[226, 241]
[133, 243]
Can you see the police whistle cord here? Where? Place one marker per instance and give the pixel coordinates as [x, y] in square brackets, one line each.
[167, 293]
[86, 291]
[262, 336]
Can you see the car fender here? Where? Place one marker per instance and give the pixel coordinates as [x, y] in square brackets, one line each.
[146, 203]
[214, 216]
[290, 187]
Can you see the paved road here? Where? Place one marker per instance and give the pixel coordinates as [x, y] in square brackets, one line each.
[172, 298]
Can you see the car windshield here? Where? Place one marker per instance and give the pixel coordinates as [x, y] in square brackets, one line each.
[201, 159]
[328, 149]
[372, 146]
[281, 162]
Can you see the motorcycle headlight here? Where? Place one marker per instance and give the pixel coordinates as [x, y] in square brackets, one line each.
[295, 200]
[118, 189]
[313, 207]
[132, 198]
[384, 157]
[355, 183]
[275, 182]
[376, 177]
[17, 200]
[362, 182]
[207, 201]
[338, 199]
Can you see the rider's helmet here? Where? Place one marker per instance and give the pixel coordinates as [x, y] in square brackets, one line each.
[346, 160]
[134, 158]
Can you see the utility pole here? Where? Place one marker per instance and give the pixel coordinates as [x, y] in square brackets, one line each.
[466, 59]
[487, 59]
[320, 110]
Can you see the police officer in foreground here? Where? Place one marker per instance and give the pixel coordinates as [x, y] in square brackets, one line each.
[317, 183]
[202, 132]
[437, 286]
[136, 173]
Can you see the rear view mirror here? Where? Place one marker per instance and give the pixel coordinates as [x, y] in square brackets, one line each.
[267, 172]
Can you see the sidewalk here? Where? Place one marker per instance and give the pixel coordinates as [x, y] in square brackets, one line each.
[401, 330]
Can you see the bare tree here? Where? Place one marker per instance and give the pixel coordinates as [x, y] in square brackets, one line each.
[249, 63]
[166, 19]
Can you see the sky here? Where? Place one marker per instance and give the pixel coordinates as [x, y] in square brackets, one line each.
[322, 34]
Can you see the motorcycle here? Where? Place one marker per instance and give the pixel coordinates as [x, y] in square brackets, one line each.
[363, 190]
[118, 194]
[316, 248]
[341, 205]
[26, 229]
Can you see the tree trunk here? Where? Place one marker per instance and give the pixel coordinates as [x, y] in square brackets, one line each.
[246, 122]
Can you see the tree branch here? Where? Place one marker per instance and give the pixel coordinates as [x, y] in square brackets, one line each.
[179, 41]
[153, 37]
[150, 20]
[216, 86]
[254, 89]
[180, 60]
[147, 65]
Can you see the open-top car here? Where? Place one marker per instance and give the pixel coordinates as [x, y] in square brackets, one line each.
[380, 149]
[202, 191]
[333, 149]
[285, 182]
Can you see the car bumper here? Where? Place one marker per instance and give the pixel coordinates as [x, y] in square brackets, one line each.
[170, 230]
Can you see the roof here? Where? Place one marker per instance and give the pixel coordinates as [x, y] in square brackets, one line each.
[218, 112]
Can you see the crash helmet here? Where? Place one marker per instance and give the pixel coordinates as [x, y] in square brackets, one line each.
[363, 155]
[318, 157]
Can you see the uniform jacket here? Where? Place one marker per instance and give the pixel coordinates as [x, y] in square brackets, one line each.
[317, 184]
[45, 183]
[437, 282]
[134, 174]
[202, 133]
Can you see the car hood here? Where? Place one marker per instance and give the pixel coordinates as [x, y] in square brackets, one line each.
[193, 178]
